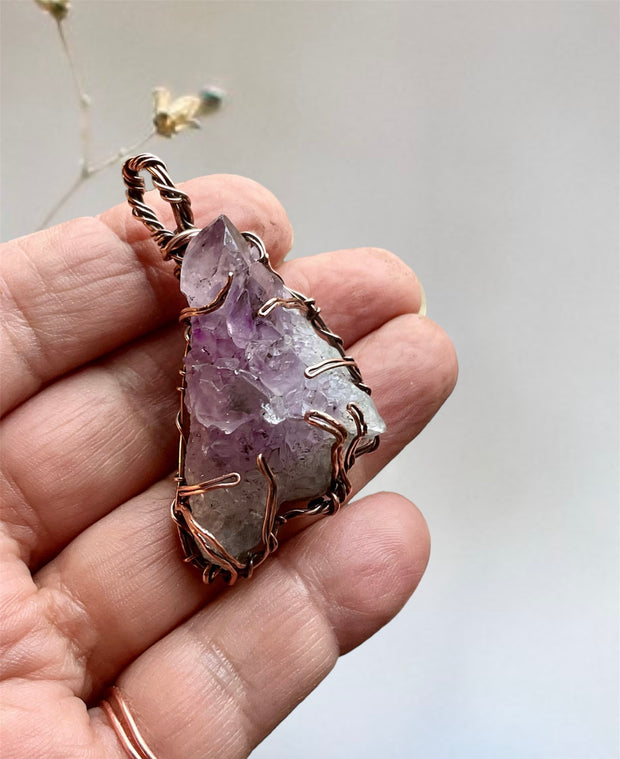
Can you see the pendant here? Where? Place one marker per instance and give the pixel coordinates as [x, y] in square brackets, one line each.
[273, 413]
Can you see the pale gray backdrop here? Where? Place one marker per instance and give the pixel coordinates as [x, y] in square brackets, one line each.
[479, 141]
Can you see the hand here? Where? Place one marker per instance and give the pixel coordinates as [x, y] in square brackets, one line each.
[93, 588]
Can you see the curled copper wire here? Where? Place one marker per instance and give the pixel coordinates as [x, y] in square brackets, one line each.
[340, 486]
[187, 313]
[273, 303]
[211, 550]
[269, 538]
[329, 363]
[223, 481]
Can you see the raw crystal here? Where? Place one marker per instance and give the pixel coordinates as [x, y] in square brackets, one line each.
[246, 391]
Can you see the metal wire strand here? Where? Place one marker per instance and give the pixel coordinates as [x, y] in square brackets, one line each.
[124, 725]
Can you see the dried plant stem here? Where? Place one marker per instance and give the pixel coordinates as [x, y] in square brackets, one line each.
[122, 153]
[89, 171]
[61, 201]
[87, 168]
[83, 98]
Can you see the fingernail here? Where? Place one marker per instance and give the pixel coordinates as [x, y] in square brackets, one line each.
[422, 309]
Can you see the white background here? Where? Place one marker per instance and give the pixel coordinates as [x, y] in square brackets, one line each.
[479, 141]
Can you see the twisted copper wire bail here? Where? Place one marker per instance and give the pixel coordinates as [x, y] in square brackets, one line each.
[172, 243]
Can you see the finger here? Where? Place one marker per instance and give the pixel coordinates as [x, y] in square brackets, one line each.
[80, 289]
[126, 570]
[357, 290]
[124, 407]
[410, 393]
[88, 443]
[256, 652]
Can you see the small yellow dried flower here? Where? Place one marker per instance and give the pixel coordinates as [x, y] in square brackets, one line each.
[173, 116]
[56, 8]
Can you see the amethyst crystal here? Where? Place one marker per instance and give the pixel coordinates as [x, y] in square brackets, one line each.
[246, 391]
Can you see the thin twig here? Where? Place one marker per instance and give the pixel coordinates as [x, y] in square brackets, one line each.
[87, 169]
[90, 171]
[122, 153]
[76, 184]
[83, 98]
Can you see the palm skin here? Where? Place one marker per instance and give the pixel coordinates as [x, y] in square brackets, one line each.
[93, 588]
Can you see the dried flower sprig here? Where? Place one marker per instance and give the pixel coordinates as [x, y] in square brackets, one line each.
[173, 116]
[56, 8]
[170, 116]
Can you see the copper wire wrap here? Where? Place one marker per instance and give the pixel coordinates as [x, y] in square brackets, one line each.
[200, 546]
[124, 725]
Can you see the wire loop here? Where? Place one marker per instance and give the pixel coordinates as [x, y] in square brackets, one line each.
[171, 242]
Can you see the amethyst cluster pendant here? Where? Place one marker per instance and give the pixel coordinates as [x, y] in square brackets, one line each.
[273, 412]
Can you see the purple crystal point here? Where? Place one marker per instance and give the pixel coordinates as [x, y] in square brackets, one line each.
[248, 391]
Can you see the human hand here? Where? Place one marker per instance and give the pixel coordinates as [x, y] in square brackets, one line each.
[93, 589]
